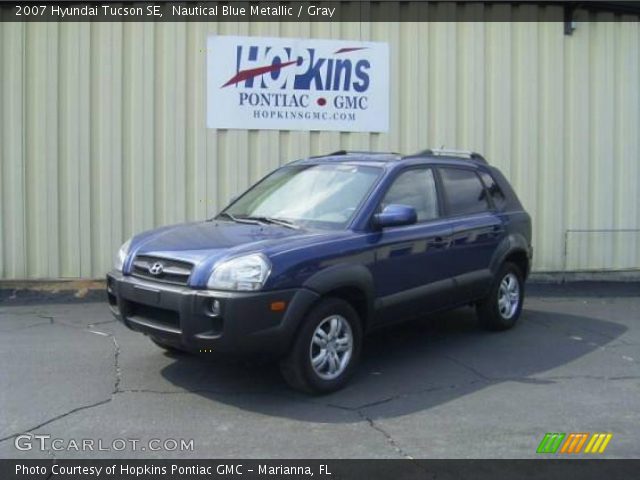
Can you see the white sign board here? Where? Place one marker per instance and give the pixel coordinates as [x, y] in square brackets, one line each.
[297, 84]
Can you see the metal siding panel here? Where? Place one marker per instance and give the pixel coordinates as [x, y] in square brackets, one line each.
[442, 82]
[470, 127]
[577, 161]
[83, 125]
[106, 144]
[389, 32]
[627, 141]
[635, 108]
[525, 151]
[602, 140]
[70, 136]
[499, 101]
[73, 117]
[170, 123]
[228, 147]
[12, 154]
[51, 158]
[196, 140]
[2, 162]
[552, 155]
[37, 152]
[103, 134]
[410, 87]
[137, 128]
[237, 159]
[160, 191]
[211, 171]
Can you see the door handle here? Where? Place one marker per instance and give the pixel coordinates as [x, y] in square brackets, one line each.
[439, 242]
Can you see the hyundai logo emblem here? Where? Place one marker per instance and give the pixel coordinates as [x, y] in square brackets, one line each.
[156, 269]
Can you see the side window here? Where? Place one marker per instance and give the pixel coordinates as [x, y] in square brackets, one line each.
[499, 200]
[417, 189]
[464, 191]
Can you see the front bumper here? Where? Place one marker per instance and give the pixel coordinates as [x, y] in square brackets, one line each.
[184, 317]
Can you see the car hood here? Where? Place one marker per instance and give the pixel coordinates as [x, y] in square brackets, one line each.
[205, 243]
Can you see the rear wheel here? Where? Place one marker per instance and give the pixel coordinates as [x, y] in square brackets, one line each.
[326, 350]
[501, 309]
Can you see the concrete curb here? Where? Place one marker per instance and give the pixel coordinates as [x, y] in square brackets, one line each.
[587, 276]
[51, 291]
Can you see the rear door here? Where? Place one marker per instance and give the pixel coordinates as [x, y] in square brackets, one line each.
[477, 230]
[411, 272]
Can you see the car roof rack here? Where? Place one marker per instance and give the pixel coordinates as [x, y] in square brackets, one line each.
[358, 152]
[450, 152]
[341, 153]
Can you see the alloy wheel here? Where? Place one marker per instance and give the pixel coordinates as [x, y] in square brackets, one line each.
[508, 296]
[331, 347]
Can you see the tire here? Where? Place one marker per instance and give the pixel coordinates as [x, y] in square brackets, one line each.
[167, 346]
[498, 310]
[341, 349]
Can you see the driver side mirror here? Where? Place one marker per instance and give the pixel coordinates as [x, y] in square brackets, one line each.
[395, 216]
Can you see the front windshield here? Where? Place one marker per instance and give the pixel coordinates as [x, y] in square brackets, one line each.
[320, 196]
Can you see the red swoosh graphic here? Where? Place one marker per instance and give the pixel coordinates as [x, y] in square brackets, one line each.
[254, 72]
[349, 49]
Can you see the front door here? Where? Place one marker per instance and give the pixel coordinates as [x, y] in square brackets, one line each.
[411, 272]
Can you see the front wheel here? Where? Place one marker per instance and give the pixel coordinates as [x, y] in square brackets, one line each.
[326, 350]
[501, 309]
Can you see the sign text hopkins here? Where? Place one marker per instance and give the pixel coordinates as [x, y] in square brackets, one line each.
[297, 84]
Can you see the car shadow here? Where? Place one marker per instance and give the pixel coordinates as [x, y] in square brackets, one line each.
[426, 362]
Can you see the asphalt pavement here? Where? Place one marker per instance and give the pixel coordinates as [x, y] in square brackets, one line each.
[436, 388]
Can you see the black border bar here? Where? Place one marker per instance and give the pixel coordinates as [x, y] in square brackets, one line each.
[547, 469]
[317, 11]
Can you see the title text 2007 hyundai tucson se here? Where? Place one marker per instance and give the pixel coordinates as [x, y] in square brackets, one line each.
[324, 250]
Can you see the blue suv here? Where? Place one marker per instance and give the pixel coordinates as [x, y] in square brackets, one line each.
[325, 250]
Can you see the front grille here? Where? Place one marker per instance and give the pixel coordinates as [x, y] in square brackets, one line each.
[162, 269]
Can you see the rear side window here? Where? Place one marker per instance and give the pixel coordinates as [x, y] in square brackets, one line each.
[417, 189]
[463, 191]
[496, 194]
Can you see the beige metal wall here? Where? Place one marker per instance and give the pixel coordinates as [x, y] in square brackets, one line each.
[102, 130]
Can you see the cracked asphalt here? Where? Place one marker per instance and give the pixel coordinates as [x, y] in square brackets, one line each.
[435, 388]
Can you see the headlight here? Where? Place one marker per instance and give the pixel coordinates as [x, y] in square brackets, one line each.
[240, 273]
[121, 256]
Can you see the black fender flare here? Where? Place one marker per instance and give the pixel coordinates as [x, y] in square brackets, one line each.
[512, 243]
[341, 276]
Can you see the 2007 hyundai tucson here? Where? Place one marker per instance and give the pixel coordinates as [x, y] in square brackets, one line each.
[324, 250]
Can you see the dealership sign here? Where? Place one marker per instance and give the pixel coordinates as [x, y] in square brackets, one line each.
[297, 84]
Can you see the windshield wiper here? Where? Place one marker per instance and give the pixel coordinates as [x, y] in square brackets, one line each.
[245, 220]
[276, 221]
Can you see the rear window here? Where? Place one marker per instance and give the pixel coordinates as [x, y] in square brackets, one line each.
[463, 191]
[496, 194]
